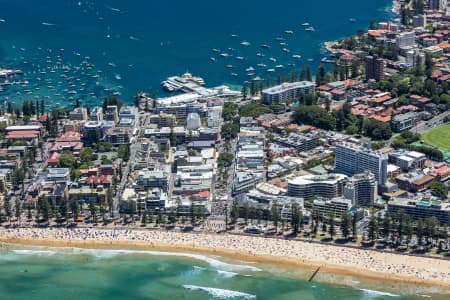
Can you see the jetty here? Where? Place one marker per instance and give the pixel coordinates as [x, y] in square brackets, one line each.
[4, 73]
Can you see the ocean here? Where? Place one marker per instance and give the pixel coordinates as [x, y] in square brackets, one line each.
[89, 49]
[28, 273]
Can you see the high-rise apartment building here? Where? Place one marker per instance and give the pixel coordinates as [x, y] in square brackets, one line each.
[352, 159]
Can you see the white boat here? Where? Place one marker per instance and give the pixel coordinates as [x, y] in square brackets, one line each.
[289, 32]
[352, 20]
[296, 56]
[215, 50]
[286, 50]
[265, 46]
[245, 43]
[310, 29]
[271, 70]
[118, 77]
[279, 66]
[239, 58]
[213, 59]
[260, 54]
[230, 66]
[262, 65]
[2, 21]
[234, 36]
[234, 74]
[273, 59]
[250, 69]
[305, 24]
[225, 55]
[310, 59]
[279, 38]
[251, 74]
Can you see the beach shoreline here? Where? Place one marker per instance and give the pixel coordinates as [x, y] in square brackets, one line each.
[368, 264]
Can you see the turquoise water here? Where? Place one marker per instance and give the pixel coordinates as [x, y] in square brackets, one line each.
[87, 49]
[47, 273]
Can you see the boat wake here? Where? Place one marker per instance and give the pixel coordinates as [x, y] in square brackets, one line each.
[48, 24]
[220, 293]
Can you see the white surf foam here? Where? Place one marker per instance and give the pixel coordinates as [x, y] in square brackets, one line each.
[379, 293]
[35, 252]
[220, 293]
[107, 254]
[227, 274]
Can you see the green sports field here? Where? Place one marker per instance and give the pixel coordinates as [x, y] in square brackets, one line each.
[439, 137]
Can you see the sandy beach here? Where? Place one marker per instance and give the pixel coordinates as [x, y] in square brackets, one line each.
[331, 259]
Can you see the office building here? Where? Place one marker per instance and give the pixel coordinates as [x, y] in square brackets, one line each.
[374, 68]
[311, 186]
[362, 189]
[287, 91]
[404, 121]
[407, 160]
[352, 159]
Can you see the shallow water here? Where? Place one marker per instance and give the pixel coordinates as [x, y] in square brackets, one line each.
[55, 273]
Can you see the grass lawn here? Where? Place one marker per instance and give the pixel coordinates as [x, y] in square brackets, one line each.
[439, 137]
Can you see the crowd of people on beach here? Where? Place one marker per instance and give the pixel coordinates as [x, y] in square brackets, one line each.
[313, 254]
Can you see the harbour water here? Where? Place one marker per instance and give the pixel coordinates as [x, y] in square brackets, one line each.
[48, 273]
[87, 49]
